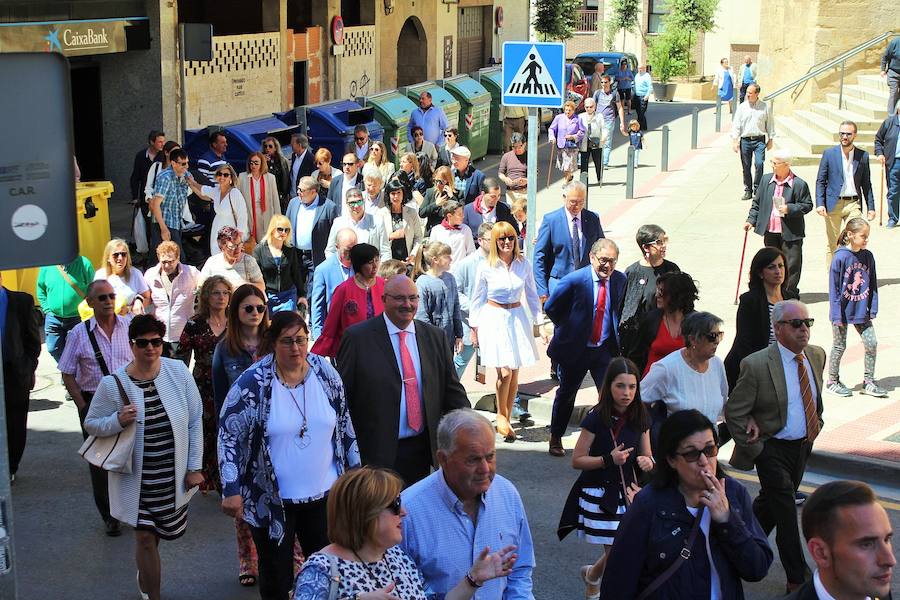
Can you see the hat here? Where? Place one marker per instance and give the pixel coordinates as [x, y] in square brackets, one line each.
[461, 151]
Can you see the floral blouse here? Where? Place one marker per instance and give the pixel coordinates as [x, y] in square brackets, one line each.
[314, 580]
[245, 466]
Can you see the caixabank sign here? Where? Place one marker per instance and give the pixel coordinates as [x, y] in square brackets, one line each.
[70, 38]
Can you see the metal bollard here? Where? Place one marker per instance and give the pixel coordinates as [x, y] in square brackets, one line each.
[695, 125]
[629, 174]
[664, 160]
[718, 114]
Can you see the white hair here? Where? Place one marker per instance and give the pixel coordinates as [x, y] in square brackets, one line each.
[457, 420]
[784, 155]
[574, 185]
[370, 171]
[781, 307]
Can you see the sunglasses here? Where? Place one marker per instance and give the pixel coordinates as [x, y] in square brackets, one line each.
[144, 342]
[715, 336]
[355, 203]
[270, 146]
[506, 238]
[223, 174]
[259, 308]
[119, 255]
[418, 134]
[182, 163]
[693, 456]
[255, 162]
[846, 133]
[289, 342]
[448, 135]
[798, 323]
[360, 139]
[105, 297]
[283, 229]
[348, 164]
[395, 506]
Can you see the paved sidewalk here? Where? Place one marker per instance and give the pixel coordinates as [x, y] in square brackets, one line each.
[698, 203]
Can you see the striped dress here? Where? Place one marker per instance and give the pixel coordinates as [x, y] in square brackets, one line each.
[156, 508]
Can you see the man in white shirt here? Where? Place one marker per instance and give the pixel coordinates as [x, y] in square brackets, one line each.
[848, 535]
[361, 145]
[752, 132]
[373, 192]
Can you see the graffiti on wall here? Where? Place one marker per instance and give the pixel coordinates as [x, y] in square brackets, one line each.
[360, 86]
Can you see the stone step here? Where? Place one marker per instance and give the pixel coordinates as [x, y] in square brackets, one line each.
[830, 110]
[866, 93]
[870, 110]
[829, 126]
[810, 141]
[873, 82]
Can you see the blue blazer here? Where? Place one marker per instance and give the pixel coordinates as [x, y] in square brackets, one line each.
[326, 213]
[571, 308]
[337, 182]
[553, 249]
[830, 179]
[326, 277]
[473, 185]
[474, 219]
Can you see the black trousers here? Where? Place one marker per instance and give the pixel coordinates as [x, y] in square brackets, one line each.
[780, 469]
[16, 398]
[307, 268]
[413, 461]
[571, 373]
[595, 154]
[308, 523]
[794, 253]
[99, 478]
[641, 107]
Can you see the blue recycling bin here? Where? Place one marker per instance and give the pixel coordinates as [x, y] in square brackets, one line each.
[330, 125]
[244, 137]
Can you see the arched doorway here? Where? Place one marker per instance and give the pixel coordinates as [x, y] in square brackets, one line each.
[412, 53]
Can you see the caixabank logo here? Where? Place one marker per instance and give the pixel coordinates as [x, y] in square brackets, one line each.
[68, 39]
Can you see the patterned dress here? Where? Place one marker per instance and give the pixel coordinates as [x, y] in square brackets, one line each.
[156, 507]
[198, 338]
[355, 577]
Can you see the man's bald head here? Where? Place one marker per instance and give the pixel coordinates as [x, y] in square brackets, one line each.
[401, 300]
[344, 241]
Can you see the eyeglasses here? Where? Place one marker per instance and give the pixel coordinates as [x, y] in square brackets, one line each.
[660, 242]
[104, 297]
[606, 261]
[401, 298]
[395, 506]
[715, 336]
[290, 342]
[605, 82]
[418, 134]
[270, 146]
[846, 133]
[259, 308]
[182, 163]
[693, 455]
[449, 135]
[232, 247]
[506, 238]
[360, 139]
[144, 342]
[440, 182]
[353, 203]
[798, 323]
[283, 229]
[119, 255]
[348, 164]
[224, 174]
[255, 162]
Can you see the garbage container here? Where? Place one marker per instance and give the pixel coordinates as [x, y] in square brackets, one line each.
[392, 110]
[492, 80]
[440, 98]
[330, 125]
[475, 114]
[244, 137]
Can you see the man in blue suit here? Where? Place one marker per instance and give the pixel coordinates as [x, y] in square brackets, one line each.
[585, 307]
[334, 271]
[487, 208]
[349, 178]
[842, 183]
[311, 218]
[888, 151]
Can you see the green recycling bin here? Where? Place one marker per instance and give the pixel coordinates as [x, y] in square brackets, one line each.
[492, 80]
[392, 110]
[439, 97]
[475, 116]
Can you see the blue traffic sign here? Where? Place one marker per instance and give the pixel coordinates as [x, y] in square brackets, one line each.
[533, 74]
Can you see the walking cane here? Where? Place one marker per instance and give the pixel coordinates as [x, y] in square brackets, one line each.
[550, 165]
[881, 204]
[741, 268]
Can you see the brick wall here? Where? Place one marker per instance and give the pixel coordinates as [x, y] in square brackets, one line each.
[305, 46]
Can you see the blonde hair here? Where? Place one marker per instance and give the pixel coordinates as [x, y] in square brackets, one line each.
[111, 246]
[854, 225]
[428, 251]
[168, 247]
[355, 502]
[384, 158]
[633, 122]
[230, 169]
[322, 155]
[206, 291]
[277, 221]
[499, 230]
[410, 157]
[519, 204]
[568, 103]
[446, 175]
[391, 267]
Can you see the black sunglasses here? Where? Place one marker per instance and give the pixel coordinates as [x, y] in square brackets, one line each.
[348, 164]
[715, 336]
[269, 146]
[144, 342]
[693, 456]
[119, 255]
[103, 297]
[360, 139]
[283, 229]
[260, 308]
[395, 506]
[797, 323]
[506, 238]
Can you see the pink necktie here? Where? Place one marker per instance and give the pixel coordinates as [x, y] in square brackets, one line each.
[411, 385]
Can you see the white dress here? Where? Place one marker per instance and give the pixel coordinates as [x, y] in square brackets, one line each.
[231, 211]
[126, 291]
[505, 337]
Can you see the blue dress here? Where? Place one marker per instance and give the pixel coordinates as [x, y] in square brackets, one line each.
[726, 92]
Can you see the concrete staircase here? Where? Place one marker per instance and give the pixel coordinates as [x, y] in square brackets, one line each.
[807, 132]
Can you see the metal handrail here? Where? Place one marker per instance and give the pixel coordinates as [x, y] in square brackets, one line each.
[839, 60]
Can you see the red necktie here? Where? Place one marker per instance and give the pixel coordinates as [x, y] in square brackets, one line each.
[411, 385]
[597, 329]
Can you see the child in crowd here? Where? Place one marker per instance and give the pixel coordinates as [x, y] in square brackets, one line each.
[391, 267]
[636, 137]
[453, 232]
[438, 294]
[519, 210]
[853, 299]
[614, 441]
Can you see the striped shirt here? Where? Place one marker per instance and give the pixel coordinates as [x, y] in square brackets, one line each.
[78, 358]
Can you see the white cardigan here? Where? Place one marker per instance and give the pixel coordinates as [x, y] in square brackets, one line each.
[181, 399]
[413, 226]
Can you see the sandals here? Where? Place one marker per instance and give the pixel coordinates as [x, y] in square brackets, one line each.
[247, 580]
[144, 595]
[592, 591]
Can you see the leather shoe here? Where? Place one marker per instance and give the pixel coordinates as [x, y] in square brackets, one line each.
[556, 448]
[746, 196]
[112, 528]
[791, 587]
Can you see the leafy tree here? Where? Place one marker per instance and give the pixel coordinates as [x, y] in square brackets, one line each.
[691, 15]
[669, 53]
[624, 18]
[556, 19]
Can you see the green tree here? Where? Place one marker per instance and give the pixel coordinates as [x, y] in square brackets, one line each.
[691, 16]
[556, 19]
[669, 53]
[624, 18]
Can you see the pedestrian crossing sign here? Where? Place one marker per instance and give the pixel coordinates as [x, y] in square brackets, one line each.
[533, 74]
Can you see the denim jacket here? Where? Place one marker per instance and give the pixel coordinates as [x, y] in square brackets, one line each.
[244, 462]
[226, 368]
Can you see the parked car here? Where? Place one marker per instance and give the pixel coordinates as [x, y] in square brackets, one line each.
[612, 60]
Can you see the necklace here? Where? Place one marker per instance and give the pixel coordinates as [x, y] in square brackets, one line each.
[303, 440]
[375, 578]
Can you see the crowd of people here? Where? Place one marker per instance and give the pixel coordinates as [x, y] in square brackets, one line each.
[335, 311]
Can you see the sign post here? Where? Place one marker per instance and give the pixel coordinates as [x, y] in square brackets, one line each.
[533, 76]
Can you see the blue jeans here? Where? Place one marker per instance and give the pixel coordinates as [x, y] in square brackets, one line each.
[753, 150]
[461, 360]
[55, 331]
[893, 193]
[607, 146]
[156, 240]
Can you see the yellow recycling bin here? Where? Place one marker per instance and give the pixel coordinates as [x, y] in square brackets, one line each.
[92, 212]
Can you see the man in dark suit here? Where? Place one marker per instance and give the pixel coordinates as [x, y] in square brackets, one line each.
[399, 380]
[311, 218]
[774, 414]
[465, 171]
[487, 207]
[350, 177]
[783, 226]
[302, 161]
[840, 198]
[144, 158]
[21, 340]
[848, 534]
[585, 307]
[886, 151]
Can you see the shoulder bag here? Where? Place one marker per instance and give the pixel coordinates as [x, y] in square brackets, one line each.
[334, 577]
[114, 452]
[682, 558]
